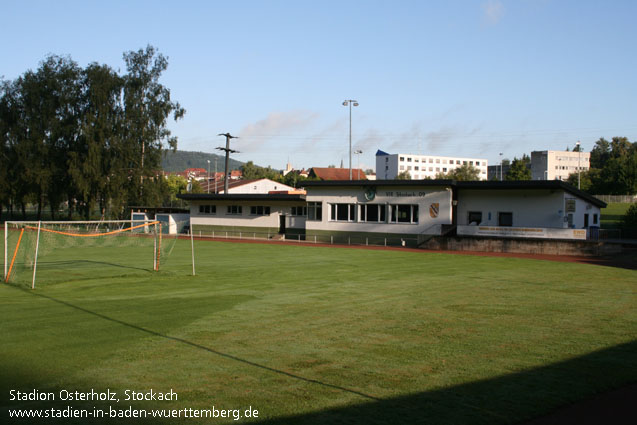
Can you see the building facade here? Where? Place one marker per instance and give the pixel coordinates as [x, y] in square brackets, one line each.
[558, 165]
[401, 211]
[419, 167]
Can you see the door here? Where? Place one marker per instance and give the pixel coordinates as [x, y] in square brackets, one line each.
[585, 220]
[282, 224]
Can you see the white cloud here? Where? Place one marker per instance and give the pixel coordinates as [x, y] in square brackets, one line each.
[277, 122]
[493, 11]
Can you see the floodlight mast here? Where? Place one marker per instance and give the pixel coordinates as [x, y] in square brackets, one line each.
[227, 150]
[350, 103]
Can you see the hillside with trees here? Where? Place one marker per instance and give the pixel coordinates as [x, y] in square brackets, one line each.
[174, 161]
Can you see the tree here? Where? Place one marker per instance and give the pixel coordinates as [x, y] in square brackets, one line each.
[89, 136]
[519, 169]
[600, 153]
[586, 179]
[629, 220]
[147, 106]
[466, 172]
[404, 175]
[96, 167]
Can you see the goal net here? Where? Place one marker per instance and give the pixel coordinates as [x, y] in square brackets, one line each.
[56, 251]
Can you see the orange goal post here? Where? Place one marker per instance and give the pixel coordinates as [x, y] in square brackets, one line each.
[75, 250]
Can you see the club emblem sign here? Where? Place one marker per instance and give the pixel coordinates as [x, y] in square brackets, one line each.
[434, 209]
[370, 194]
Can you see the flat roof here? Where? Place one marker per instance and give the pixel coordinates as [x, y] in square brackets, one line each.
[241, 197]
[477, 185]
[367, 183]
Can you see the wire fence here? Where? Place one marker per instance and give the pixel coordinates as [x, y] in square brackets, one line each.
[617, 199]
[371, 240]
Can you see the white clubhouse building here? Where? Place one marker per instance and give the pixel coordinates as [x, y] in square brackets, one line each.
[406, 210]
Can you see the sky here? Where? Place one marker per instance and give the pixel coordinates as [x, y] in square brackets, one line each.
[472, 78]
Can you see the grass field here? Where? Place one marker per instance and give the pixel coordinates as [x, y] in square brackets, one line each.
[325, 335]
[611, 216]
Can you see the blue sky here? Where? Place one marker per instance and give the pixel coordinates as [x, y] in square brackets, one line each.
[470, 78]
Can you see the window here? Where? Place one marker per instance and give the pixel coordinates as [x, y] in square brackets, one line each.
[315, 211]
[470, 162]
[374, 213]
[431, 161]
[299, 211]
[404, 214]
[594, 218]
[386, 159]
[416, 168]
[342, 212]
[444, 161]
[458, 162]
[235, 209]
[477, 162]
[438, 161]
[408, 159]
[259, 210]
[402, 158]
[505, 219]
[207, 209]
[402, 167]
[475, 217]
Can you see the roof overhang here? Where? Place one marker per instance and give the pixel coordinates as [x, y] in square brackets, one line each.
[278, 197]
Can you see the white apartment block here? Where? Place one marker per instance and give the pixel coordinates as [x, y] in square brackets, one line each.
[558, 165]
[388, 166]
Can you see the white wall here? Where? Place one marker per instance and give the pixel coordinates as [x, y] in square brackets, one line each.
[423, 196]
[260, 186]
[222, 218]
[530, 208]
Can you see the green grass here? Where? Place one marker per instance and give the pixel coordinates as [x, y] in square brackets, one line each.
[328, 335]
[611, 216]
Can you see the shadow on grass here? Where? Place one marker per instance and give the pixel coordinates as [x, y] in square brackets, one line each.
[208, 349]
[87, 263]
[508, 399]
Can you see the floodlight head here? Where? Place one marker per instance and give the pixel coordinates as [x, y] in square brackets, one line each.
[355, 103]
[345, 103]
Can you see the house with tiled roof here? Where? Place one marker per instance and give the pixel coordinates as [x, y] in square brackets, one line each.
[331, 173]
[256, 186]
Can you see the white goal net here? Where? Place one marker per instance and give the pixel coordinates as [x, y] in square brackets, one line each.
[63, 251]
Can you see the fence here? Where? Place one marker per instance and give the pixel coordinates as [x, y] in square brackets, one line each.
[336, 239]
[620, 199]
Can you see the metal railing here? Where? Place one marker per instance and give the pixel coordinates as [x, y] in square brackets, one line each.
[619, 199]
[372, 240]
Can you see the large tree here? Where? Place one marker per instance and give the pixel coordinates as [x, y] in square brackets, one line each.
[147, 106]
[520, 169]
[87, 136]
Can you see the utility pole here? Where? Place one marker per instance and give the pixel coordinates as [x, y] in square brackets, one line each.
[227, 150]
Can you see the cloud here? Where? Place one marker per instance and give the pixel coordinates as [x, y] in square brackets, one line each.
[493, 11]
[276, 125]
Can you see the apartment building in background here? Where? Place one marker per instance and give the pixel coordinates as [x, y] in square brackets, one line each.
[388, 166]
[558, 165]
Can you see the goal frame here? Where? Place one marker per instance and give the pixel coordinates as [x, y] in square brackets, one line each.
[134, 224]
